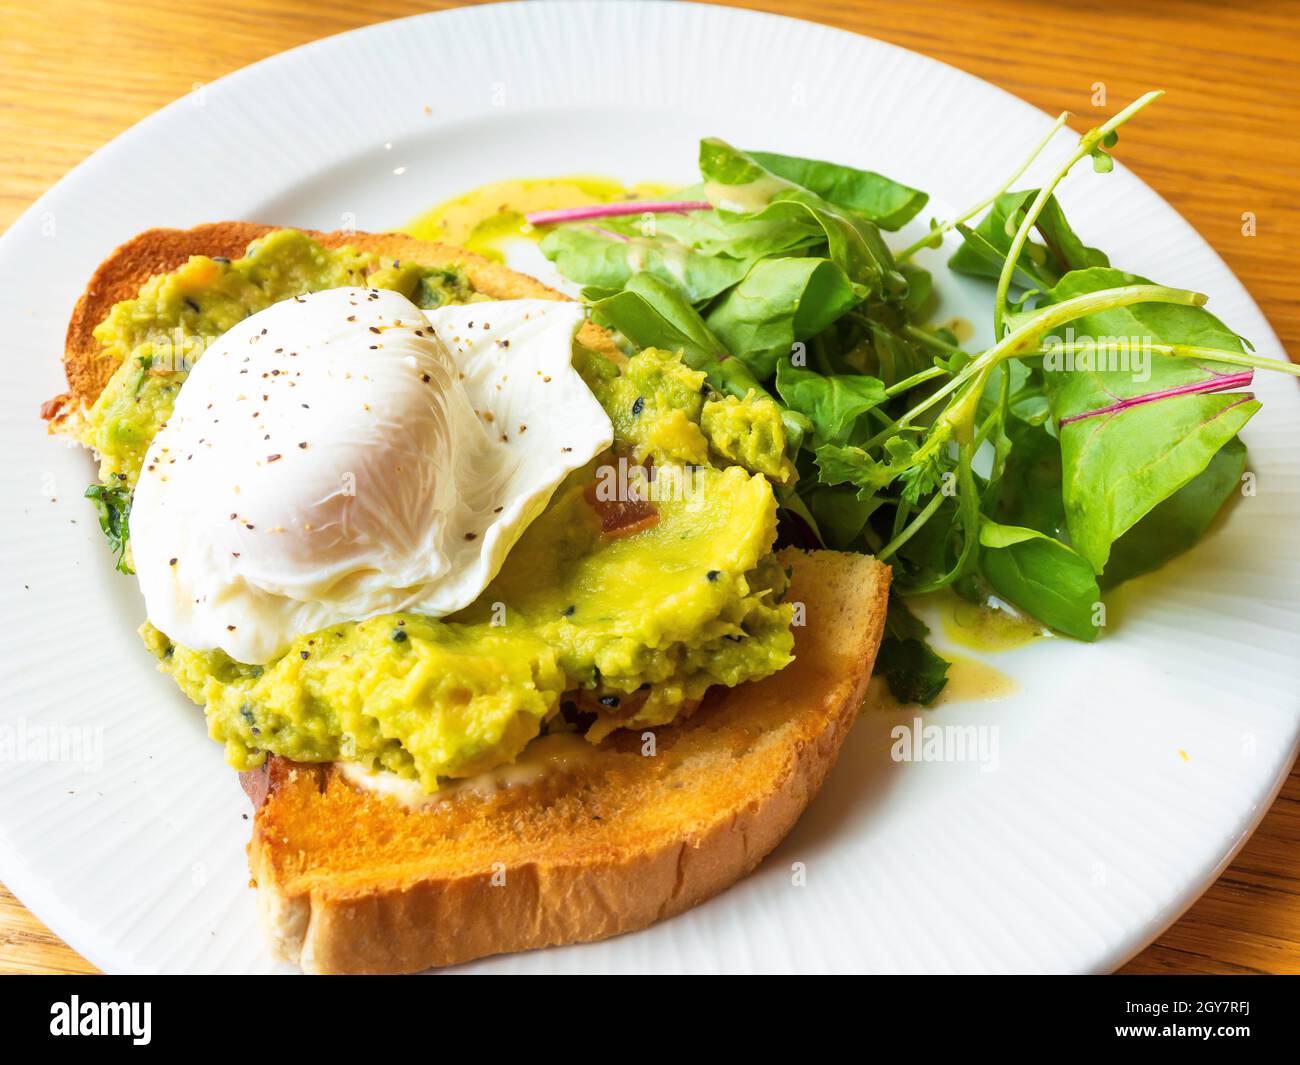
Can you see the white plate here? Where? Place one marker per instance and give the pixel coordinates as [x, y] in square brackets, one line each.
[1093, 833]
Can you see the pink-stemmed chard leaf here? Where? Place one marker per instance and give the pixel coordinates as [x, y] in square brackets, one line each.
[614, 210]
[1117, 469]
[1217, 383]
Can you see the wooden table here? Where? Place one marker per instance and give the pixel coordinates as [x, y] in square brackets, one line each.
[78, 72]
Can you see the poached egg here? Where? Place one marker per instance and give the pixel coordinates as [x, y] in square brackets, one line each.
[342, 454]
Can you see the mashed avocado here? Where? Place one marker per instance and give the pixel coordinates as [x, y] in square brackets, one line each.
[650, 620]
[633, 624]
[665, 410]
[158, 335]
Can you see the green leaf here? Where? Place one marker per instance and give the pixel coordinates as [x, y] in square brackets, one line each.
[888, 203]
[780, 301]
[914, 673]
[1031, 483]
[750, 187]
[113, 505]
[660, 320]
[929, 554]
[1180, 521]
[979, 256]
[841, 514]
[1118, 467]
[986, 247]
[894, 359]
[737, 185]
[833, 404]
[709, 233]
[853, 244]
[1065, 250]
[1041, 576]
[920, 287]
[598, 259]
[1166, 323]
[852, 465]
[791, 502]
[672, 305]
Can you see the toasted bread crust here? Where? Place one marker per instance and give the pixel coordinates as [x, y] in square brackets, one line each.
[158, 251]
[629, 841]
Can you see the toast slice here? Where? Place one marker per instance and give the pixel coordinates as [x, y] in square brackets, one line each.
[349, 881]
[352, 881]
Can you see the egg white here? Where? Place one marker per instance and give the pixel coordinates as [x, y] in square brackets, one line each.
[342, 455]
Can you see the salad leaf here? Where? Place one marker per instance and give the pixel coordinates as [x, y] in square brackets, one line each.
[853, 465]
[1119, 466]
[793, 507]
[1150, 322]
[929, 554]
[841, 514]
[893, 359]
[1176, 524]
[913, 671]
[987, 246]
[1065, 250]
[113, 505]
[890, 204]
[710, 233]
[832, 404]
[736, 184]
[603, 258]
[653, 314]
[780, 301]
[1031, 483]
[980, 256]
[1032, 497]
[920, 287]
[1041, 576]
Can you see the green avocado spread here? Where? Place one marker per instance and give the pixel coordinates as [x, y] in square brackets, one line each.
[601, 617]
[159, 334]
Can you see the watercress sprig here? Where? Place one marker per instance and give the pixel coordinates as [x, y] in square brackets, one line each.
[1092, 144]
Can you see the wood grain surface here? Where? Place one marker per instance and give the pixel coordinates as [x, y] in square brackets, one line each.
[75, 73]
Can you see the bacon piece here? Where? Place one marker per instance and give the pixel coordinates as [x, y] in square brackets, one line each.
[624, 516]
